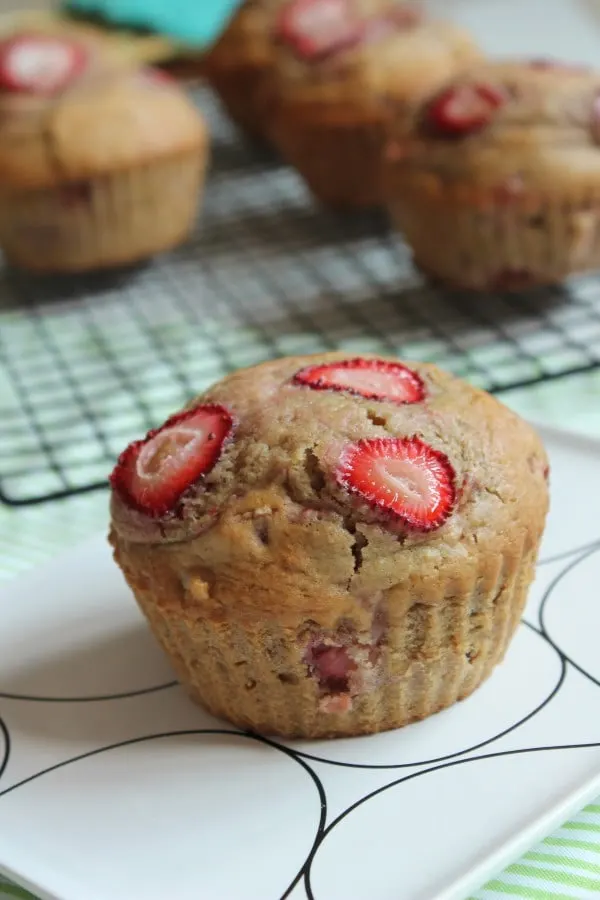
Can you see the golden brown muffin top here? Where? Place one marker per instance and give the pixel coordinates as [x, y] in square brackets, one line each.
[291, 449]
[66, 113]
[350, 51]
[511, 126]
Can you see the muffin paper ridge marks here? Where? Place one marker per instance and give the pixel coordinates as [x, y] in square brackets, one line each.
[462, 109]
[372, 379]
[404, 479]
[40, 64]
[152, 475]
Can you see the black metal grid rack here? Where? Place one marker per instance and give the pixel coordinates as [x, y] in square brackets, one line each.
[87, 364]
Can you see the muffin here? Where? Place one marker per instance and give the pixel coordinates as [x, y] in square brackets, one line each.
[338, 65]
[100, 165]
[494, 180]
[238, 66]
[329, 546]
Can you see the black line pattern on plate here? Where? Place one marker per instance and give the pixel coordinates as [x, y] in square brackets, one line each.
[486, 743]
[414, 775]
[301, 758]
[26, 698]
[4, 733]
[190, 732]
[566, 554]
[594, 548]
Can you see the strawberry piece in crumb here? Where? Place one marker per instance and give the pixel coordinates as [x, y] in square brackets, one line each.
[39, 64]
[403, 478]
[463, 109]
[315, 29]
[374, 379]
[152, 474]
[335, 704]
[332, 665]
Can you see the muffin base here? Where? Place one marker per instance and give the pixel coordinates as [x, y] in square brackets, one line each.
[340, 161]
[112, 220]
[488, 246]
[438, 647]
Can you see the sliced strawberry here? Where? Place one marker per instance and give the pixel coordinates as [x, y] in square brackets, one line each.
[464, 108]
[404, 478]
[39, 64]
[316, 29]
[152, 474]
[374, 379]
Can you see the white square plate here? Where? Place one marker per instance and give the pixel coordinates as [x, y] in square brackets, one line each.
[115, 785]
[112, 784]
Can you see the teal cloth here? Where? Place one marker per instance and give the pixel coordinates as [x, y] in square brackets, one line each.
[193, 22]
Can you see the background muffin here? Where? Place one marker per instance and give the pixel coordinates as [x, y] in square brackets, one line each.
[495, 180]
[337, 61]
[238, 65]
[329, 546]
[99, 165]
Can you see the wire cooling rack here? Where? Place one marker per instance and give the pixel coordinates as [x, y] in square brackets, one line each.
[87, 364]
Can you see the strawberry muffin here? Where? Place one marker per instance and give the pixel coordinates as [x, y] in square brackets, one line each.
[494, 180]
[331, 546]
[100, 165]
[239, 64]
[338, 65]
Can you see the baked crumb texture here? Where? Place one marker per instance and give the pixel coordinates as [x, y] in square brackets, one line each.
[290, 606]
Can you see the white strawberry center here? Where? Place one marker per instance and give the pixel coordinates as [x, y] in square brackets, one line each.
[410, 484]
[46, 63]
[370, 381]
[169, 451]
[322, 19]
[466, 103]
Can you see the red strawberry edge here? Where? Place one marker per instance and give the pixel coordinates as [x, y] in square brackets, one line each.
[317, 39]
[462, 109]
[59, 71]
[406, 386]
[158, 493]
[429, 480]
